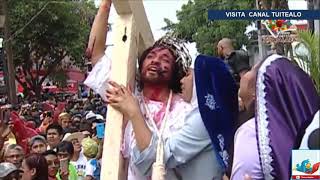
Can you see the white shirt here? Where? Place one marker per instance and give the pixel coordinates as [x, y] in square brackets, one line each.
[99, 76]
[90, 168]
[80, 165]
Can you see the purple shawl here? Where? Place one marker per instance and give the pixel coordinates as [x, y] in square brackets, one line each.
[286, 103]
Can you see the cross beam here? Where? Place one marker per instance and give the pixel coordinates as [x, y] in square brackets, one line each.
[137, 9]
[132, 23]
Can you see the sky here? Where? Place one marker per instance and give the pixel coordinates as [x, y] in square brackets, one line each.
[157, 10]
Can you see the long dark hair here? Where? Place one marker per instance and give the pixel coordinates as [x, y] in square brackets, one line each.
[39, 163]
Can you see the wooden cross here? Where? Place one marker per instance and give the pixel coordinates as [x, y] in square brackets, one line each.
[131, 36]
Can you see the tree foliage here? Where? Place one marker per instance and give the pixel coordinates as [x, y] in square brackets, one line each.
[307, 55]
[44, 33]
[194, 26]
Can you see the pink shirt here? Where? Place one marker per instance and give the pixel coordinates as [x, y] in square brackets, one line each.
[246, 157]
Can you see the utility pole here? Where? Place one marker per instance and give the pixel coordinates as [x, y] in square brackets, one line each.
[262, 51]
[316, 23]
[310, 6]
[8, 60]
[2, 63]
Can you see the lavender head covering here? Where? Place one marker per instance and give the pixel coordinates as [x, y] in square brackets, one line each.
[286, 103]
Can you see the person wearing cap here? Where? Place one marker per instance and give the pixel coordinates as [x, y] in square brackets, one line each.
[90, 116]
[78, 160]
[98, 120]
[9, 171]
[37, 144]
[283, 101]
[201, 148]
[99, 117]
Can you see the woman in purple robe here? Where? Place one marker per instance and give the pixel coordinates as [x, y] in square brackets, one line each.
[283, 102]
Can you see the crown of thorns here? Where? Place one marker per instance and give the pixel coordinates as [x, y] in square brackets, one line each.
[178, 48]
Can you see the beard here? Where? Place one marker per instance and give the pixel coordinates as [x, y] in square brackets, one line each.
[156, 78]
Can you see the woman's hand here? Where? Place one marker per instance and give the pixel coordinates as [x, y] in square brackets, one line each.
[121, 98]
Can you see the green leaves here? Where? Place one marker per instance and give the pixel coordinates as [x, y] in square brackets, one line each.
[309, 59]
[193, 24]
[45, 32]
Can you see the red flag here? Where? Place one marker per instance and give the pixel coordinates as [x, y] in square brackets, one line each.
[21, 131]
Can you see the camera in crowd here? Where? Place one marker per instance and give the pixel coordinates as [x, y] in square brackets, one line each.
[47, 114]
